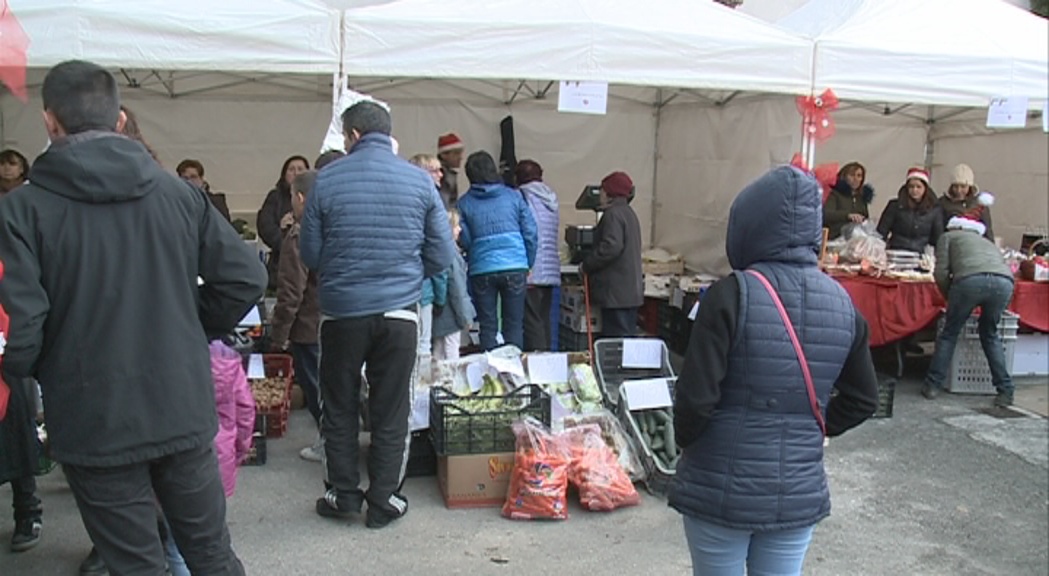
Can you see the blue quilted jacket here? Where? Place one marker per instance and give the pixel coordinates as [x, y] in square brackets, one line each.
[373, 228]
[758, 464]
[498, 231]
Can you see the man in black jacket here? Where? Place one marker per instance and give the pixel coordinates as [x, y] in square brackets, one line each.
[103, 251]
[614, 267]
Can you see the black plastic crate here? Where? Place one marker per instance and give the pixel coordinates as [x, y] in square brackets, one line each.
[569, 340]
[257, 454]
[456, 430]
[422, 458]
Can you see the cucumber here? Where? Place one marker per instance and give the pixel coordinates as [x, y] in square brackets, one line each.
[652, 422]
[662, 416]
[670, 442]
[673, 463]
[657, 443]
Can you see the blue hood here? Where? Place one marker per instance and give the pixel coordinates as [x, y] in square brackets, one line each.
[776, 218]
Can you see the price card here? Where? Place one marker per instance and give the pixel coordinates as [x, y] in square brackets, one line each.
[647, 394]
[506, 365]
[582, 97]
[1007, 112]
[256, 367]
[642, 353]
[251, 318]
[475, 375]
[547, 368]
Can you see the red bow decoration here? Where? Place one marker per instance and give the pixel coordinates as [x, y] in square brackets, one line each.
[14, 44]
[825, 174]
[815, 112]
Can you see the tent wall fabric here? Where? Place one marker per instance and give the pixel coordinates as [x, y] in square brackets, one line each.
[230, 35]
[680, 43]
[948, 52]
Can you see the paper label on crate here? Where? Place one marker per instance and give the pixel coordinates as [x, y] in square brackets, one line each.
[695, 310]
[507, 365]
[475, 375]
[642, 353]
[647, 394]
[256, 367]
[548, 368]
[251, 318]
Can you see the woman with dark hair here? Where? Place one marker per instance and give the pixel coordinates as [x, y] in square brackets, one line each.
[849, 201]
[275, 214]
[192, 171]
[14, 169]
[913, 220]
[499, 236]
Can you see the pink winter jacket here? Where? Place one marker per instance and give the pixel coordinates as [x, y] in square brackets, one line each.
[236, 410]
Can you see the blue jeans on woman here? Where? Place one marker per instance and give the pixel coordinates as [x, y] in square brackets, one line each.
[720, 551]
[487, 290]
[992, 293]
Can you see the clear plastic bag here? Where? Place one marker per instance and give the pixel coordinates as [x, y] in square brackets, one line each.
[615, 437]
[595, 471]
[539, 479]
[584, 383]
[864, 247]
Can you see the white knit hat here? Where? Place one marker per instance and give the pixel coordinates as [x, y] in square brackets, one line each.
[963, 174]
[963, 223]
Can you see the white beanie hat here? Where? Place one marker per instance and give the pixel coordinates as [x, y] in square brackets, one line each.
[963, 174]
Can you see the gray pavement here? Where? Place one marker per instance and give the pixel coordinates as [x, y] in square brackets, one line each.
[940, 488]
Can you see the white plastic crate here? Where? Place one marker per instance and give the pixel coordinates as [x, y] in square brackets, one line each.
[969, 372]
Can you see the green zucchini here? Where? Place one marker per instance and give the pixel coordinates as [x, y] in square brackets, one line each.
[670, 441]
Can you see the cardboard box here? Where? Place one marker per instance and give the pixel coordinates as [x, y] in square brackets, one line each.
[474, 480]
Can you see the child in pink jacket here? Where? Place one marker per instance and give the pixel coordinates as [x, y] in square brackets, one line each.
[236, 410]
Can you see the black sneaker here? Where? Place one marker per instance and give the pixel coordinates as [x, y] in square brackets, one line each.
[93, 565]
[1003, 399]
[380, 517]
[27, 534]
[331, 506]
[930, 392]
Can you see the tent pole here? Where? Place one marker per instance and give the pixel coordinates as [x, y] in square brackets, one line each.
[655, 171]
[930, 145]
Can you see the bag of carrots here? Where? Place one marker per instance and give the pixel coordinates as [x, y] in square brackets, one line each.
[539, 480]
[595, 471]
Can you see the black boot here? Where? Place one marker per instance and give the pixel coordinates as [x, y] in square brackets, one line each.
[1004, 399]
[27, 534]
[93, 565]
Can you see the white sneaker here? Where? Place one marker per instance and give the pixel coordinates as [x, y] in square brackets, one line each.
[313, 453]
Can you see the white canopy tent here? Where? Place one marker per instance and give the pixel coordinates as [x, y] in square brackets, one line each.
[690, 116]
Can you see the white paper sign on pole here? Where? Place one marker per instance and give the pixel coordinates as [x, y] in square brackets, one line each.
[1007, 112]
[647, 394]
[642, 353]
[548, 368]
[583, 97]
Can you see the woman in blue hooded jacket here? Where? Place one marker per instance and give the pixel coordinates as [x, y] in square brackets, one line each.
[751, 483]
[499, 237]
[546, 273]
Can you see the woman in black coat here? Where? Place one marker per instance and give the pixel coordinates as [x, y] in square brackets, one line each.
[273, 211]
[913, 220]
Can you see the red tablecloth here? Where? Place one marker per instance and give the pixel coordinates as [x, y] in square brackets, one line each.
[893, 309]
[1031, 302]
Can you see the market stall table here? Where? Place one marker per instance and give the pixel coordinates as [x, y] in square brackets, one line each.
[1031, 303]
[894, 309]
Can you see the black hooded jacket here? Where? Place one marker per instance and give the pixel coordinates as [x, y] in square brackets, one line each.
[103, 250]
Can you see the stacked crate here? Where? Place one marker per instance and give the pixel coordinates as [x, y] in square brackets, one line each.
[571, 333]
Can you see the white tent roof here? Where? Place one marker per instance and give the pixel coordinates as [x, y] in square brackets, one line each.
[950, 52]
[226, 35]
[671, 43]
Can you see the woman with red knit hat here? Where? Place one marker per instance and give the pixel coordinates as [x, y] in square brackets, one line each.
[913, 220]
[450, 150]
[614, 266]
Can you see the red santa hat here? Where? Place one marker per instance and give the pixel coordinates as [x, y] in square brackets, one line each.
[971, 218]
[449, 142]
[919, 173]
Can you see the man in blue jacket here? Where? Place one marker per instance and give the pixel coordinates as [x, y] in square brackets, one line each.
[374, 227]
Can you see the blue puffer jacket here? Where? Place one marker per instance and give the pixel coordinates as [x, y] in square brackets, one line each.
[498, 230]
[758, 465]
[373, 228]
[543, 201]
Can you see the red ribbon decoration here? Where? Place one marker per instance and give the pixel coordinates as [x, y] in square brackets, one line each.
[825, 174]
[815, 112]
[14, 45]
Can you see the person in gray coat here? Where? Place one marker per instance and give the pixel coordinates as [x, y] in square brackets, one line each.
[751, 483]
[546, 272]
[971, 272]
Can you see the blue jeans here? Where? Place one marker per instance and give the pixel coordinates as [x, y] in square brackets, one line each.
[307, 358]
[992, 293]
[720, 551]
[487, 290]
[176, 564]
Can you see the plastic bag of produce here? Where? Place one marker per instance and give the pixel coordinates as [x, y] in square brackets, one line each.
[539, 480]
[584, 383]
[615, 437]
[864, 247]
[595, 471]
